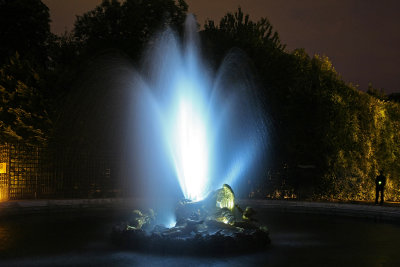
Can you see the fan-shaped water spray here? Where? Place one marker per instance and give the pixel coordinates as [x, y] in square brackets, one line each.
[207, 126]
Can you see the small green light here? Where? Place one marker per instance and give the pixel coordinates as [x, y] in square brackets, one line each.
[380, 182]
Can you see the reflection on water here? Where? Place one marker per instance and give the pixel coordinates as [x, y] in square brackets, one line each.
[5, 237]
[296, 238]
[47, 234]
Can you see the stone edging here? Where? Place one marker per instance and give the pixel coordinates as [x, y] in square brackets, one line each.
[377, 213]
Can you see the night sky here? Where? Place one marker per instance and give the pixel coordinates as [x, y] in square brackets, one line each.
[361, 37]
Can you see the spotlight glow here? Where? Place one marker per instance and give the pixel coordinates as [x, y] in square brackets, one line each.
[171, 222]
[208, 129]
[190, 150]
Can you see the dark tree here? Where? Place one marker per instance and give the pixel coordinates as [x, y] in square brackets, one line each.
[24, 28]
[395, 97]
[126, 25]
[237, 30]
[112, 28]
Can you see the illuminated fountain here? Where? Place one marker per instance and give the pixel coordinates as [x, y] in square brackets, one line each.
[205, 127]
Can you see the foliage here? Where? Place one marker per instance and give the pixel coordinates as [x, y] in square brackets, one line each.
[25, 39]
[258, 39]
[24, 28]
[378, 93]
[126, 25]
[23, 116]
[113, 29]
[330, 138]
[63, 69]
[239, 29]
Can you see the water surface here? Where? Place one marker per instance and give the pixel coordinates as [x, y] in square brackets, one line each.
[297, 240]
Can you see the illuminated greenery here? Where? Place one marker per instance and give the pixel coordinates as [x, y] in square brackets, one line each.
[329, 138]
[23, 114]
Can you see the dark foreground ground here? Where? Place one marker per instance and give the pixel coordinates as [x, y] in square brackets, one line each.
[299, 238]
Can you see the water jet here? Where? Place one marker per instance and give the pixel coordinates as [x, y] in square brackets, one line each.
[208, 128]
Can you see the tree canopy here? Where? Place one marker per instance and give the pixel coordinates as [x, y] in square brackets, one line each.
[126, 25]
[24, 28]
[25, 35]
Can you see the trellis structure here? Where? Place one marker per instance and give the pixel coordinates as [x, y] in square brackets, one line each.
[4, 172]
[28, 172]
